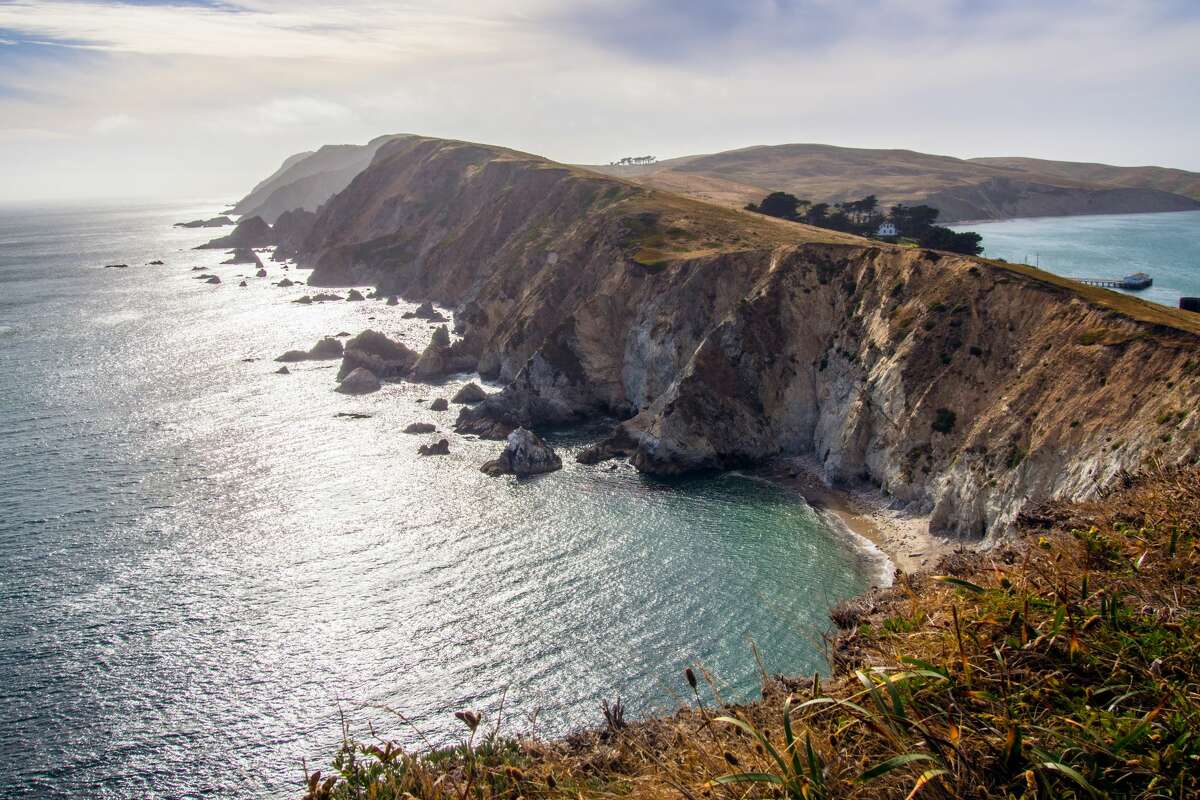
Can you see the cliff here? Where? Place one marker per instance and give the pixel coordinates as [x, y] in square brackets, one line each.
[963, 189]
[306, 180]
[964, 388]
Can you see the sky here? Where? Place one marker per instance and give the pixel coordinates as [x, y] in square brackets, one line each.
[201, 99]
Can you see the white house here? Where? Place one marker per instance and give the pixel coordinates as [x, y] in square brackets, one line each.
[886, 229]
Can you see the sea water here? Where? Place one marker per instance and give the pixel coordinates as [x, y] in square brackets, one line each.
[204, 568]
[1165, 246]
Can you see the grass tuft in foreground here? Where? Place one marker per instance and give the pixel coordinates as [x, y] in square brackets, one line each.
[1062, 665]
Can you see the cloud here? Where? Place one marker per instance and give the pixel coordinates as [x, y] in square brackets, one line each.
[113, 123]
[221, 91]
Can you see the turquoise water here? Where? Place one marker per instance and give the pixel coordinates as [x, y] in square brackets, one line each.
[201, 565]
[1165, 246]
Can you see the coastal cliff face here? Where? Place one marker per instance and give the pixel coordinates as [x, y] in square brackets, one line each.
[964, 388]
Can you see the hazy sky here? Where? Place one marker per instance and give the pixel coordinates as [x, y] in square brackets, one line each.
[201, 99]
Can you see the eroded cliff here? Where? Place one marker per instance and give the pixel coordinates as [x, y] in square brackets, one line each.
[962, 387]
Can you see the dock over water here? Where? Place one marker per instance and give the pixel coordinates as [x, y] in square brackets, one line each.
[1136, 281]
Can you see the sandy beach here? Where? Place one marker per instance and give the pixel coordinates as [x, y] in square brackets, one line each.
[902, 536]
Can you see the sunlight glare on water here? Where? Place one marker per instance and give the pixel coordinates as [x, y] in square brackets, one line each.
[202, 565]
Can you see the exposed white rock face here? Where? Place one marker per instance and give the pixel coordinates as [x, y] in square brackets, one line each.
[524, 454]
[359, 381]
[742, 340]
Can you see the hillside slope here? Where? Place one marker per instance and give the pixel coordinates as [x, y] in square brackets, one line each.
[1176, 181]
[964, 388]
[961, 189]
[306, 180]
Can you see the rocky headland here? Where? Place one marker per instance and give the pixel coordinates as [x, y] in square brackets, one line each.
[962, 388]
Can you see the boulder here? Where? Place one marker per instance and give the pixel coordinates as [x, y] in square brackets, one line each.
[524, 454]
[354, 295]
[250, 232]
[213, 279]
[420, 427]
[359, 381]
[285, 283]
[283, 371]
[372, 350]
[439, 448]
[242, 285]
[304, 300]
[471, 393]
[198, 269]
[439, 404]
[262, 273]
[243, 255]
[327, 348]
[440, 359]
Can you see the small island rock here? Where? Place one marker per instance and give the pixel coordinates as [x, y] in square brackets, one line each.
[360, 381]
[471, 393]
[524, 454]
[439, 404]
[420, 427]
[439, 448]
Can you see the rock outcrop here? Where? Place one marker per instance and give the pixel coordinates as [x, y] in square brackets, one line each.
[439, 404]
[213, 222]
[326, 349]
[439, 448]
[441, 358]
[385, 357]
[244, 255]
[524, 454]
[964, 388]
[250, 232]
[359, 381]
[354, 295]
[471, 393]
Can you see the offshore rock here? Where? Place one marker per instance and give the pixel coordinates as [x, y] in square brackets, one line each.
[374, 351]
[354, 295]
[524, 454]
[251, 232]
[359, 381]
[420, 427]
[244, 255]
[471, 393]
[439, 404]
[327, 348]
[439, 448]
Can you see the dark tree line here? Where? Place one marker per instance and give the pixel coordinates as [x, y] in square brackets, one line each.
[863, 217]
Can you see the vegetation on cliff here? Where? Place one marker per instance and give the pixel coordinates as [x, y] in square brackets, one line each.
[862, 217]
[1059, 665]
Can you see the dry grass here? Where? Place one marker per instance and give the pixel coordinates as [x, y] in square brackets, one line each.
[1062, 665]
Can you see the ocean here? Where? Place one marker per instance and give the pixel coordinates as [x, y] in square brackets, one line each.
[205, 570]
[1165, 246]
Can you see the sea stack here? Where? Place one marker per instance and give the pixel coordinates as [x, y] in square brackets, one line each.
[524, 454]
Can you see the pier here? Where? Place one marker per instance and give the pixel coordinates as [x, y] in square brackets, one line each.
[1137, 281]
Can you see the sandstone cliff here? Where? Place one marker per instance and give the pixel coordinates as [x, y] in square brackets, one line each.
[962, 387]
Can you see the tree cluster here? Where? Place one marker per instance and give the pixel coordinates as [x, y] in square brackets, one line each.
[863, 217]
[632, 161]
